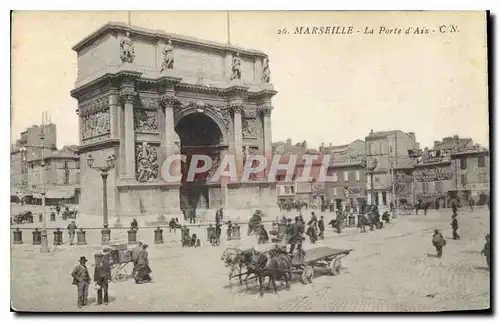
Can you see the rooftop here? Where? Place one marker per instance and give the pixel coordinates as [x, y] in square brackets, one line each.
[119, 26]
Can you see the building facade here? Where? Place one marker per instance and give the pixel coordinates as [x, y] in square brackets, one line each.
[386, 151]
[347, 170]
[138, 90]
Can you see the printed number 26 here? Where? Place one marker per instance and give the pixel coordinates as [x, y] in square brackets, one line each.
[282, 31]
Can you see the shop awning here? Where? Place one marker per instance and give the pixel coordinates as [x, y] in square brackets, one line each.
[61, 194]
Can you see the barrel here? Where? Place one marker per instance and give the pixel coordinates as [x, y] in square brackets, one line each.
[37, 237]
[158, 235]
[80, 237]
[236, 232]
[58, 237]
[18, 236]
[132, 237]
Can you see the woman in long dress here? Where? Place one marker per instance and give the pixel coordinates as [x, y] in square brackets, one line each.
[143, 269]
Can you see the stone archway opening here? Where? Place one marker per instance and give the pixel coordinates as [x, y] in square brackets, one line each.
[198, 134]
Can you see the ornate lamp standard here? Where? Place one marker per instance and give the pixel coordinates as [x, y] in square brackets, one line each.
[110, 164]
[44, 245]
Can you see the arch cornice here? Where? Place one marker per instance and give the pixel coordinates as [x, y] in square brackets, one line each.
[217, 113]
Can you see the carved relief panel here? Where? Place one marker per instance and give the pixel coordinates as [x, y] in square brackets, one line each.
[146, 158]
[95, 118]
[249, 123]
[146, 120]
[247, 152]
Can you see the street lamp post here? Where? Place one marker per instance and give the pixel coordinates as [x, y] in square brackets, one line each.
[44, 242]
[104, 171]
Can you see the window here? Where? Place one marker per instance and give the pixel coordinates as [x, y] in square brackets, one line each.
[481, 177]
[463, 163]
[287, 190]
[425, 187]
[346, 176]
[335, 177]
[356, 174]
[438, 186]
[463, 179]
[292, 189]
[384, 198]
[481, 162]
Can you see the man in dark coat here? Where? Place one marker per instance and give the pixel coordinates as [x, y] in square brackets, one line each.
[135, 256]
[296, 238]
[321, 226]
[134, 225]
[71, 231]
[454, 226]
[454, 207]
[313, 228]
[439, 242]
[81, 279]
[486, 249]
[102, 277]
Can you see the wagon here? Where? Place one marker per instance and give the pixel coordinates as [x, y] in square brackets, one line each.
[118, 256]
[324, 257]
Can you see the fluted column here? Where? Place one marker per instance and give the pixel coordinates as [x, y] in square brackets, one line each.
[266, 123]
[114, 106]
[127, 97]
[168, 103]
[238, 137]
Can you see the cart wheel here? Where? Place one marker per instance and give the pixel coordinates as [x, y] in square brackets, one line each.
[307, 275]
[335, 266]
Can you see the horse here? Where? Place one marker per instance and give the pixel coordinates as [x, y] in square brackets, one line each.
[274, 263]
[232, 259]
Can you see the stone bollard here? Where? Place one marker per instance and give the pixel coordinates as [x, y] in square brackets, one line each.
[58, 236]
[18, 236]
[158, 235]
[236, 232]
[210, 231]
[132, 237]
[37, 237]
[80, 237]
[52, 216]
[105, 235]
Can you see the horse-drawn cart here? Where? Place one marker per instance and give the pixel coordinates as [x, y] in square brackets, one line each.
[320, 257]
[118, 256]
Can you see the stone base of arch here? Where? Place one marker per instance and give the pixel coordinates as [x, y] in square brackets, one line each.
[147, 202]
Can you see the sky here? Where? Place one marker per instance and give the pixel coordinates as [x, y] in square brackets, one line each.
[331, 88]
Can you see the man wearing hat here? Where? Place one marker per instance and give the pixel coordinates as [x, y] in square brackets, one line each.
[229, 230]
[439, 242]
[321, 226]
[81, 279]
[454, 226]
[486, 249]
[102, 277]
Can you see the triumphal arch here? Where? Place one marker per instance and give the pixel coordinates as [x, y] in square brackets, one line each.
[144, 95]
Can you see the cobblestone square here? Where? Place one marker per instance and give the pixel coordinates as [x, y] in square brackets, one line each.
[393, 269]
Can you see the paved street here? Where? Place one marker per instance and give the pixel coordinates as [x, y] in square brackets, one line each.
[393, 269]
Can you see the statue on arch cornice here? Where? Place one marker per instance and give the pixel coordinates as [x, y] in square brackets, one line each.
[266, 72]
[236, 67]
[127, 53]
[168, 56]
